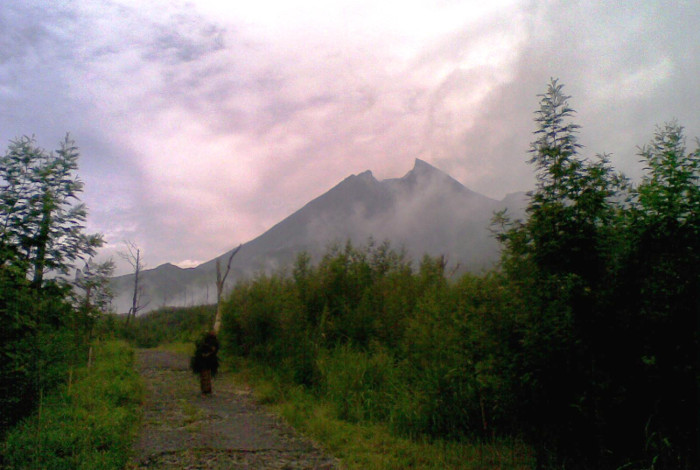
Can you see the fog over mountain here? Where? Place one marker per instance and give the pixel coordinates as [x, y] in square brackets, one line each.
[424, 212]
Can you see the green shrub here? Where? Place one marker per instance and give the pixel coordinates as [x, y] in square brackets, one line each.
[165, 325]
[439, 371]
[87, 424]
[41, 339]
[362, 385]
[382, 343]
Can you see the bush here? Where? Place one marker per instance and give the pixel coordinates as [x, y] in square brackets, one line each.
[87, 424]
[165, 325]
[41, 339]
[362, 386]
[378, 341]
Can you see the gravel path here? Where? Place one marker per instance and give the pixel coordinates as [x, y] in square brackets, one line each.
[227, 430]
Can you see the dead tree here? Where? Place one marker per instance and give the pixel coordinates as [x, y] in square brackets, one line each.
[220, 279]
[133, 257]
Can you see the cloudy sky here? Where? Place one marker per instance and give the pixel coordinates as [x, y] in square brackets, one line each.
[203, 123]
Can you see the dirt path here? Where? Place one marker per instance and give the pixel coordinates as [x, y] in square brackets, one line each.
[227, 430]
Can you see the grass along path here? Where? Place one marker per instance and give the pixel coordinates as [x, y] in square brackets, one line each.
[87, 424]
[182, 429]
[372, 446]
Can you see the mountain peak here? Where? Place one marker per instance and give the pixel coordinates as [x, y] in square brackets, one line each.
[424, 172]
[168, 266]
[425, 211]
[362, 179]
[367, 175]
[423, 166]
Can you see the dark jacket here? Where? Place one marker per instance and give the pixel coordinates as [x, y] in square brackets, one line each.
[205, 355]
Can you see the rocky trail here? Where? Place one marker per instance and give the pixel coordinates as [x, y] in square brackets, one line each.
[183, 430]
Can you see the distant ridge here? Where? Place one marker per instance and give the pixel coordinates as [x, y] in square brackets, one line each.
[426, 212]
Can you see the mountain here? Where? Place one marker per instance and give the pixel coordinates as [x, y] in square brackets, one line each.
[426, 212]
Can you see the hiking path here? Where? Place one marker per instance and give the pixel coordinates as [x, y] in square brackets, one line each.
[181, 429]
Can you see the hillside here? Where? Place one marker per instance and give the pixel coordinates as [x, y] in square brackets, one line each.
[426, 212]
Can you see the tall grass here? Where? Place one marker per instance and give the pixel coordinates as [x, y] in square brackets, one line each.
[162, 326]
[369, 444]
[373, 346]
[384, 343]
[360, 385]
[89, 423]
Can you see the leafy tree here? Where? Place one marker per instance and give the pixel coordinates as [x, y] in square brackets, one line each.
[670, 191]
[93, 281]
[41, 232]
[608, 278]
[662, 283]
[558, 261]
[41, 221]
[570, 207]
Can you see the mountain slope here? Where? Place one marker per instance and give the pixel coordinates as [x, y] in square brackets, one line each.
[426, 212]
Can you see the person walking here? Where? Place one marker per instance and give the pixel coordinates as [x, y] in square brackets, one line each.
[205, 361]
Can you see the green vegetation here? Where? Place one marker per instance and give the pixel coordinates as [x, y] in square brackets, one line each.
[46, 322]
[162, 326]
[579, 352]
[606, 364]
[381, 345]
[583, 344]
[367, 445]
[88, 423]
[56, 411]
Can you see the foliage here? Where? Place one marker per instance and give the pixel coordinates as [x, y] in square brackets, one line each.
[584, 343]
[88, 423]
[662, 281]
[380, 341]
[362, 444]
[92, 291]
[165, 325]
[41, 223]
[608, 279]
[361, 385]
[44, 336]
[557, 262]
[40, 341]
[457, 353]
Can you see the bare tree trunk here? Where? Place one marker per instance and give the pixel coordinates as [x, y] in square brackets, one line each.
[135, 299]
[220, 287]
[133, 257]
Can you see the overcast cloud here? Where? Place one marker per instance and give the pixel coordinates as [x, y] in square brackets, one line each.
[202, 124]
